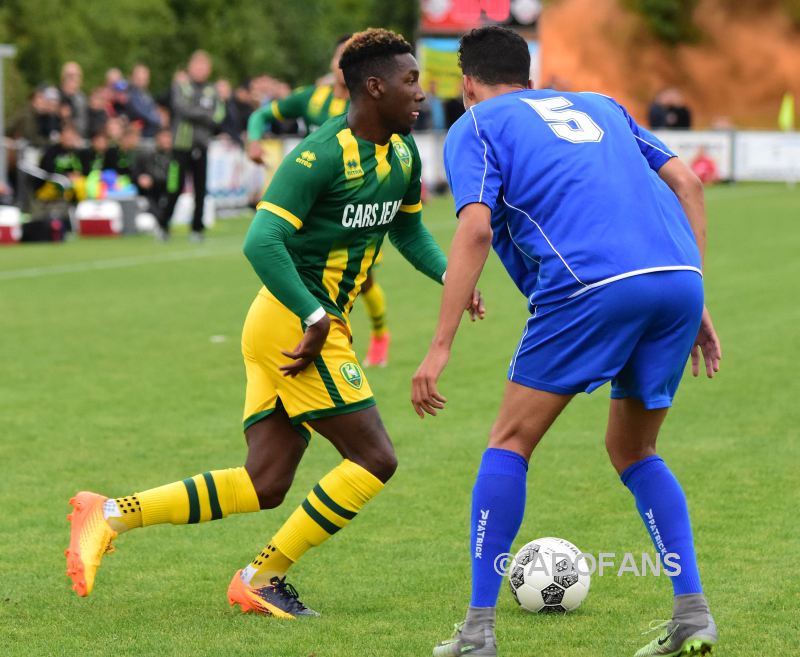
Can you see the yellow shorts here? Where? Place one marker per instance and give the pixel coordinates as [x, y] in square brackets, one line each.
[332, 385]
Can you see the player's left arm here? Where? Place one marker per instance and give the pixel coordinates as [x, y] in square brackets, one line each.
[409, 235]
[413, 240]
[689, 190]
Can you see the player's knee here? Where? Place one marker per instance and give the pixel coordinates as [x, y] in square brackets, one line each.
[514, 437]
[624, 456]
[271, 493]
[381, 463]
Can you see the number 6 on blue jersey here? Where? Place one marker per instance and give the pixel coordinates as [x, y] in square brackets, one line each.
[571, 125]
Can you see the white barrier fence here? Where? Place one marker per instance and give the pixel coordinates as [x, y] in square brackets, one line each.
[234, 182]
[739, 156]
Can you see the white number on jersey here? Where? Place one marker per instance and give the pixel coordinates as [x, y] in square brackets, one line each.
[569, 124]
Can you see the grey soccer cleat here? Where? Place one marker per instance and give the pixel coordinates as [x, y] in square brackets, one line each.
[691, 632]
[481, 644]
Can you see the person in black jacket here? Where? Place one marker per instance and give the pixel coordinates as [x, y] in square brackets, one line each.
[669, 111]
[197, 114]
[64, 157]
[159, 178]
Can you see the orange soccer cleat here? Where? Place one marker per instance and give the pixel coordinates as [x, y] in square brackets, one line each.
[278, 598]
[90, 538]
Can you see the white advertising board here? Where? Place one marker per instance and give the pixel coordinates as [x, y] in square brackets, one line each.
[767, 156]
[688, 144]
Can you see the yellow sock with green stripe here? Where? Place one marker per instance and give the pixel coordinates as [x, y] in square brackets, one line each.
[375, 302]
[207, 496]
[331, 505]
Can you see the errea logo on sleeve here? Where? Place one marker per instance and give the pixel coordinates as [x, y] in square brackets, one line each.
[307, 159]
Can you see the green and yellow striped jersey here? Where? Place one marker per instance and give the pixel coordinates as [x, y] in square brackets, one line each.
[314, 105]
[343, 195]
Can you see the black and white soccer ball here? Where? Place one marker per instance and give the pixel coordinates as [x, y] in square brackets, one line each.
[548, 576]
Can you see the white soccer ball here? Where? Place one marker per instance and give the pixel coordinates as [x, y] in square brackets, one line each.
[548, 576]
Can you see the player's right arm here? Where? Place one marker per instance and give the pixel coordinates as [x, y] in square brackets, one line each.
[689, 189]
[475, 180]
[291, 107]
[282, 212]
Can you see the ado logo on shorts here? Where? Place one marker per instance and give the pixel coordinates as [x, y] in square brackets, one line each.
[352, 374]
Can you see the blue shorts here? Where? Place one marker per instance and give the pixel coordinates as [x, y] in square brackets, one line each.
[636, 332]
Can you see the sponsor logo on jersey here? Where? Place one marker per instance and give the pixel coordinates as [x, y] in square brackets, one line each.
[352, 374]
[402, 152]
[365, 215]
[307, 158]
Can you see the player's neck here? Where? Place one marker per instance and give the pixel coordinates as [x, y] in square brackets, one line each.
[367, 125]
[485, 92]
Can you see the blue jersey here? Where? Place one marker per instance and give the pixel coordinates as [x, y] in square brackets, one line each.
[571, 181]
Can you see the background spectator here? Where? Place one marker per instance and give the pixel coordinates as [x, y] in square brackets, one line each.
[38, 122]
[231, 124]
[73, 98]
[668, 110]
[98, 115]
[64, 156]
[119, 99]
[141, 106]
[453, 109]
[432, 114]
[115, 126]
[127, 153]
[705, 167]
[197, 112]
[160, 179]
[99, 156]
[112, 76]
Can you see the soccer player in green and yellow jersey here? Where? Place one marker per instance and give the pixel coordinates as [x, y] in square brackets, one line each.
[315, 105]
[315, 236]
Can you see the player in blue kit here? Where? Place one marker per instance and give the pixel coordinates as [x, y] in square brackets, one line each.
[603, 230]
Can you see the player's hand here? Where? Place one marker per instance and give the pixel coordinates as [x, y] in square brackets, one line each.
[708, 343]
[476, 307]
[425, 398]
[255, 152]
[309, 348]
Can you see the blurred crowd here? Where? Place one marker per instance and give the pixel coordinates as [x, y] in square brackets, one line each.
[123, 137]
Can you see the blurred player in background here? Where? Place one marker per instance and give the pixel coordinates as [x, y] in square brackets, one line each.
[315, 104]
[315, 236]
[603, 230]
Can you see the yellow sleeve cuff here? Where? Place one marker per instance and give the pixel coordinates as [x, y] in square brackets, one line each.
[283, 214]
[275, 109]
[411, 209]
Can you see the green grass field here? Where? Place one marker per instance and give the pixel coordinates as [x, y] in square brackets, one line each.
[120, 370]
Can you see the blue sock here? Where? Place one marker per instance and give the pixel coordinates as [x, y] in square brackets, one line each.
[498, 504]
[662, 506]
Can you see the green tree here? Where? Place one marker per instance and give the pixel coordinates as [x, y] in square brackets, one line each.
[290, 40]
[670, 20]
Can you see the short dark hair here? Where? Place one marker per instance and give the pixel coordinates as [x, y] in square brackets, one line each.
[342, 39]
[495, 55]
[370, 53]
